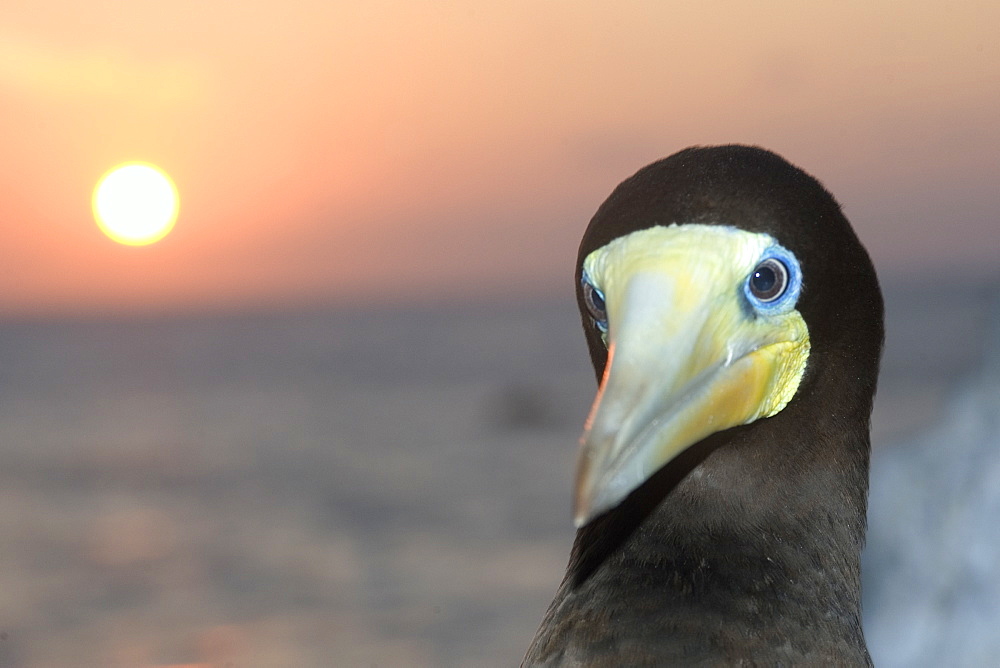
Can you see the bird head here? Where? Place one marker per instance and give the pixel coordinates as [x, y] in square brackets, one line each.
[715, 287]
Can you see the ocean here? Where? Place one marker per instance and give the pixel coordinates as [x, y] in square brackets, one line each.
[391, 486]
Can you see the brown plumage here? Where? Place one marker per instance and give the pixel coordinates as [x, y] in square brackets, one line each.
[745, 549]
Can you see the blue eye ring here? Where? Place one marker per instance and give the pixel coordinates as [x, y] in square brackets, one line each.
[775, 283]
[596, 306]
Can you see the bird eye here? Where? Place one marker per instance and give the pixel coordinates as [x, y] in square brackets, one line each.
[775, 283]
[768, 280]
[594, 299]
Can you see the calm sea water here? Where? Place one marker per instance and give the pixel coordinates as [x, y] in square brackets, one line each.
[392, 487]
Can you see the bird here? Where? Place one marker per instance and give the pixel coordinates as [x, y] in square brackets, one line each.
[735, 325]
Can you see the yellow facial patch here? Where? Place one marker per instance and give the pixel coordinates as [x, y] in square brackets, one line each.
[692, 350]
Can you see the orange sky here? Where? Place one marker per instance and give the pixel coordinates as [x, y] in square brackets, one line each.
[398, 149]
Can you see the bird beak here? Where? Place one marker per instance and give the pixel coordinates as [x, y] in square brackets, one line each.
[687, 355]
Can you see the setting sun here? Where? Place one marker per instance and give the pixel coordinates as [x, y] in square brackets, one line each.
[135, 204]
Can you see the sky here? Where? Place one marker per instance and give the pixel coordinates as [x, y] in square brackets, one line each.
[407, 150]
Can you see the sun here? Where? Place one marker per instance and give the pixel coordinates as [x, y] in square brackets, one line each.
[135, 203]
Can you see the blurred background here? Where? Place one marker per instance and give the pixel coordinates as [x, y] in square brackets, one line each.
[331, 417]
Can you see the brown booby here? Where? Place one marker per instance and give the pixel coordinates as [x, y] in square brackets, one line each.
[735, 324]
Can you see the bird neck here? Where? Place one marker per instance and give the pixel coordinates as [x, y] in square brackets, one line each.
[763, 524]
